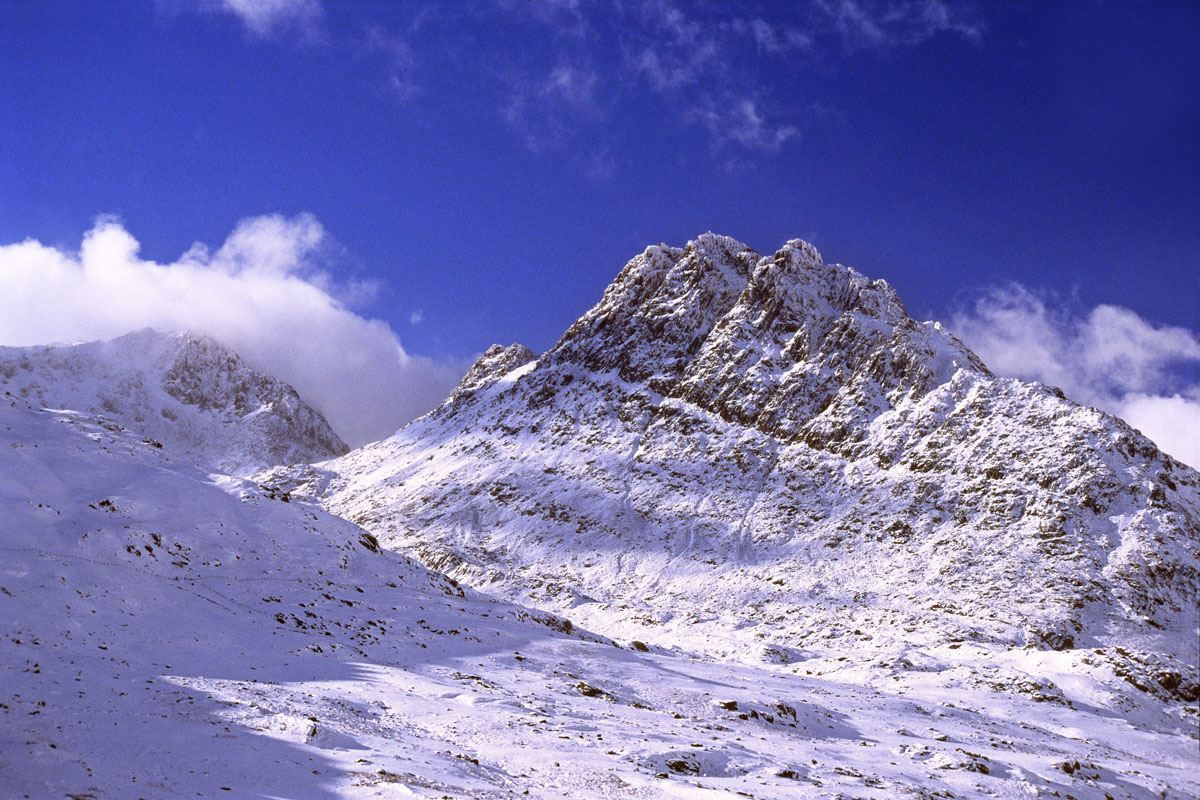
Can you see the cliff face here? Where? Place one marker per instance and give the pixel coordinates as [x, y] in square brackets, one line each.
[766, 454]
[186, 391]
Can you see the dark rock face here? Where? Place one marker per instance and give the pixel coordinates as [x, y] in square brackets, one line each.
[185, 390]
[730, 443]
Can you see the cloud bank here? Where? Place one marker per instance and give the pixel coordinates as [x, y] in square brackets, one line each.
[261, 293]
[1109, 357]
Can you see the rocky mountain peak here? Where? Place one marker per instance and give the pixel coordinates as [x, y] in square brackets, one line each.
[658, 310]
[495, 362]
[796, 276]
[185, 390]
[735, 448]
[786, 343]
[207, 374]
[817, 351]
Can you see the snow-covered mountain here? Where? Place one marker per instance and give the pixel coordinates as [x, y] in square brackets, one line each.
[184, 390]
[766, 457]
[834, 555]
[166, 632]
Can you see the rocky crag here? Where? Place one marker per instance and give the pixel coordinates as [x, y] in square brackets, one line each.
[765, 456]
[185, 391]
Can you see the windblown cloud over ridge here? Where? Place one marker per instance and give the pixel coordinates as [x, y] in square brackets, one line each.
[261, 293]
[1109, 357]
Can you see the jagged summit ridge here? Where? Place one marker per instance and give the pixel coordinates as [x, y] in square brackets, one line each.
[183, 389]
[495, 363]
[785, 343]
[658, 309]
[731, 451]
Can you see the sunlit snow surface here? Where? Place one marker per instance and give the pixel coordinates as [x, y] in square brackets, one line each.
[169, 633]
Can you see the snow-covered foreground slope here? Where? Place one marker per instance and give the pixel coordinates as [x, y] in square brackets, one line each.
[169, 633]
[183, 390]
[765, 458]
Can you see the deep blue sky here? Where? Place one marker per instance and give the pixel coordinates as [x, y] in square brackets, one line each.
[494, 164]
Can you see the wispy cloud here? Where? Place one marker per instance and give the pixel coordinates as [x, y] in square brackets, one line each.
[561, 67]
[568, 18]
[742, 121]
[544, 108]
[773, 39]
[673, 49]
[263, 292]
[571, 84]
[400, 60]
[878, 24]
[266, 18]
[601, 166]
[1108, 357]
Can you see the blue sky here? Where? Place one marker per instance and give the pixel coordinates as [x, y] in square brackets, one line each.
[480, 170]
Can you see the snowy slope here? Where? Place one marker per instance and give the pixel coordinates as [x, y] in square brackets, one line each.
[166, 632]
[183, 390]
[765, 458]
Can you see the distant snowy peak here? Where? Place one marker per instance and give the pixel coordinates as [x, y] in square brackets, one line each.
[185, 390]
[495, 362]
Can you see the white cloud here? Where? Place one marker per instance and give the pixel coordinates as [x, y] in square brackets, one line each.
[266, 18]
[571, 84]
[679, 55]
[544, 109]
[400, 61]
[775, 39]
[676, 49]
[878, 24]
[1109, 357]
[261, 293]
[742, 121]
[1172, 422]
